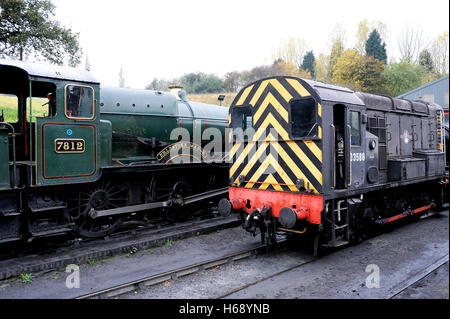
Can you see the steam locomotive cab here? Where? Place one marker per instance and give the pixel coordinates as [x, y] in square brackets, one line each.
[71, 161]
[326, 160]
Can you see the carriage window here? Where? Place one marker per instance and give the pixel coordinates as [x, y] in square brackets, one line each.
[303, 118]
[79, 101]
[355, 127]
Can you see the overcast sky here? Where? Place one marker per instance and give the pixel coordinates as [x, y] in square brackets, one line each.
[166, 39]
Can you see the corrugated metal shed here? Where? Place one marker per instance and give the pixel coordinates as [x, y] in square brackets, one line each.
[433, 92]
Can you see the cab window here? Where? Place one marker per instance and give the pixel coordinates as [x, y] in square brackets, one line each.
[9, 108]
[241, 117]
[303, 118]
[79, 101]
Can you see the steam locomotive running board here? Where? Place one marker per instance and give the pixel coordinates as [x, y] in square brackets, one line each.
[142, 207]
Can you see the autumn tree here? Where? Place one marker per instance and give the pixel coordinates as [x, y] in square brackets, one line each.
[375, 47]
[360, 73]
[336, 52]
[321, 68]
[402, 77]
[27, 27]
[308, 63]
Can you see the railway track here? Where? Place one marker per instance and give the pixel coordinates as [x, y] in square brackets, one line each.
[418, 276]
[174, 274]
[81, 251]
[171, 274]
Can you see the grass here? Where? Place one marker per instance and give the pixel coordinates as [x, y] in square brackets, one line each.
[26, 278]
[9, 105]
[132, 251]
[211, 98]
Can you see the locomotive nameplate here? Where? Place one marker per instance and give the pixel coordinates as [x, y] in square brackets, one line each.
[69, 145]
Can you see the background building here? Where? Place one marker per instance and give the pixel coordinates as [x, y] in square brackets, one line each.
[433, 92]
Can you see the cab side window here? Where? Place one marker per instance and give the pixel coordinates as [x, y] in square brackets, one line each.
[79, 101]
[241, 117]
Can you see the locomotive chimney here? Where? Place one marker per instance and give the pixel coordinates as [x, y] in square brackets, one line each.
[175, 90]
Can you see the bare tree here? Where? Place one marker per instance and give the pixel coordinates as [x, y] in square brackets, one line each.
[121, 78]
[410, 44]
[439, 53]
[291, 51]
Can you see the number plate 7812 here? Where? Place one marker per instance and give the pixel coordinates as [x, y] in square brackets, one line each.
[66, 145]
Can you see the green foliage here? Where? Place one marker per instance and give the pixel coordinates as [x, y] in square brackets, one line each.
[402, 77]
[426, 61]
[308, 63]
[27, 27]
[336, 51]
[26, 278]
[375, 48]
[201, 83]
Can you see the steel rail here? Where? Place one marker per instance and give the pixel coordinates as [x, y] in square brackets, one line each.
[171, 274]
[418, 276]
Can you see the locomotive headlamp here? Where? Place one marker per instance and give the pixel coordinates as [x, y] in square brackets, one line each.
[372, 144]
[300, 184]
[221, 98]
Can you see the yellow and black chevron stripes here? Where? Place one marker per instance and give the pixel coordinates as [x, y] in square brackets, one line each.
[272, 160]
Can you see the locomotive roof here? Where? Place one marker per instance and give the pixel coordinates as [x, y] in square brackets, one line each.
[150, 102]
[339, 94]
[51, 71]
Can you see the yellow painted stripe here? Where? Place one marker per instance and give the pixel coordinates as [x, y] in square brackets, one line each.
[240, 158]
[319, 109]
[235, 147]
[261, 169]
[270, 99]
[281, 89]
[298, 87]
[294, 168]
[244, 95]
[285, 137]
[252, 161]
[270, 180]
[259, 92]
[314, 149]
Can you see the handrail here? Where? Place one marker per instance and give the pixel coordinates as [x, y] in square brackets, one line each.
[13, 135]
[333, 151]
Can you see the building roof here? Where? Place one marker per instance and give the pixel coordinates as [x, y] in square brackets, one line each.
[51, 71]
[424, 86]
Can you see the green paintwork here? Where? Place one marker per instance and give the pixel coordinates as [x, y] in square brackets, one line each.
[4, 159]
[105, 143]
[153, 114]
[62, 168]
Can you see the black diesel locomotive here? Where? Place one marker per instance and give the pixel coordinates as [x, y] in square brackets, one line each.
[99, 156]
[321, 159]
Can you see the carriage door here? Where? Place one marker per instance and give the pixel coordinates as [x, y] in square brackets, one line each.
[355, 138]
[68, 142]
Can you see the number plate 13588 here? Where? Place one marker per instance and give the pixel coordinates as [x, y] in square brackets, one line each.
[64, 145]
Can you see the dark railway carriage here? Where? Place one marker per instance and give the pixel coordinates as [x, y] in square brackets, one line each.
[322, 159]
[98, 156]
